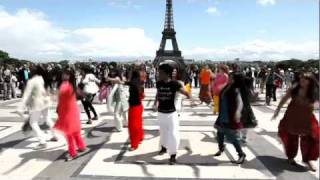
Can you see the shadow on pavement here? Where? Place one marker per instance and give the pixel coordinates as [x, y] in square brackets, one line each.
[39, 155]
[277, 166]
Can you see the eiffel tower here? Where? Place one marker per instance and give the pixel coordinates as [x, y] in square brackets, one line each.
[169, 34]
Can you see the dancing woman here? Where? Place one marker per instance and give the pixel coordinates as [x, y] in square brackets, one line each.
[135, 121]
[300, 122]
[205, 76]
[69, 115]
[37, 101]
[90, 89]
[117, 100]
[220, 81]
[229, 122]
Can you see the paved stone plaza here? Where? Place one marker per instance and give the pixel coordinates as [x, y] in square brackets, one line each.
[108, 155]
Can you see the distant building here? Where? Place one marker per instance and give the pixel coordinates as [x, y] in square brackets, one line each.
[189, 61]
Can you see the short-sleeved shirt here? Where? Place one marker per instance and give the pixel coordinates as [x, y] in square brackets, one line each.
[166, 95]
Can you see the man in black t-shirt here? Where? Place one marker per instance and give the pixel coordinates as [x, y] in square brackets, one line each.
[167, 115]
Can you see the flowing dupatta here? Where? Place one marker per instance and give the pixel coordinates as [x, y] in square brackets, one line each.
[111, 98]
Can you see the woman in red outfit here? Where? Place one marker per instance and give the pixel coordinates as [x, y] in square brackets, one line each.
[69, 115]
[299, 121]
[136, 94]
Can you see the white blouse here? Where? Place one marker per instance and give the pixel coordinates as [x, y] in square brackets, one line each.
[35, 97]
[90, 84]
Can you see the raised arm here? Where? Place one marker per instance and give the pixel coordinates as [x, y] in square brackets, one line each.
[282, 102]
[115, 80]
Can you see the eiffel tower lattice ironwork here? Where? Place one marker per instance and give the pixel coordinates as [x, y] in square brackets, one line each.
[169, 34]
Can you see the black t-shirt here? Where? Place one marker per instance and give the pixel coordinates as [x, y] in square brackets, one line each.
[134, 95]
[166, 95]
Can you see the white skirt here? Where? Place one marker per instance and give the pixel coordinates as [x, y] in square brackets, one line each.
[169, 131]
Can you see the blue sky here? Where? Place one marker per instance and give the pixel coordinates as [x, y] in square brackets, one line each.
[213, 29]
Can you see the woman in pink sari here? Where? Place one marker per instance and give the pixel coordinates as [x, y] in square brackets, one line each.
[220, 81]
[69, 115]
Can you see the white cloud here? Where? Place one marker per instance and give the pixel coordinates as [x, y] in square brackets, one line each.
[266, 2]
[28, 34]
[123, 4]
[259, 50]
[212, 10]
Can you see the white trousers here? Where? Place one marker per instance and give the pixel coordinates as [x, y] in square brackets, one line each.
[120, 117]
[178, 103]
[41, 116]
[169, 131]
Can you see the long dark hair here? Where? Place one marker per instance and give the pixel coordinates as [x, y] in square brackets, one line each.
[72, 78]
[135, 80]
[239, 82]
[313, 88]
[39, 70]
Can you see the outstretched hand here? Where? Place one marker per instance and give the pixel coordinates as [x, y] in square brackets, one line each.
[275, 115]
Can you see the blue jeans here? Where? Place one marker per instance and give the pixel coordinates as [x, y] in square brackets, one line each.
[232, 136]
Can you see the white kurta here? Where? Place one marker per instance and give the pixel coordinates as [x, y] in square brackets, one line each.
[169, 131]
[37, 101]
[118, 103]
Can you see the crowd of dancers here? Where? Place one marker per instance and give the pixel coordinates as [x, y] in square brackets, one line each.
[229, 90]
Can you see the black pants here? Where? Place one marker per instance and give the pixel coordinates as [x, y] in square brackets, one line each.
[195, 82]
[87, 105]
[269, 92]
[232, 137]
[274, 93]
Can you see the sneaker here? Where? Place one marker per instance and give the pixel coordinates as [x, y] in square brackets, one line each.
[241, 159]
[95, 118]
[162, 151]
[89, 122]
[54, 139]
[243, 141]
[133, 149]
[172, 160]
[221, 150]
[69, 158]
[40, 146]
[118, 130]
[218, 153]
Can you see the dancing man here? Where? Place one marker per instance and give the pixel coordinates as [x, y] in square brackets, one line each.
[167, 115]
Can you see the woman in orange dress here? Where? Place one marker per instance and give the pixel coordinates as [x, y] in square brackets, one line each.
[205, 77]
